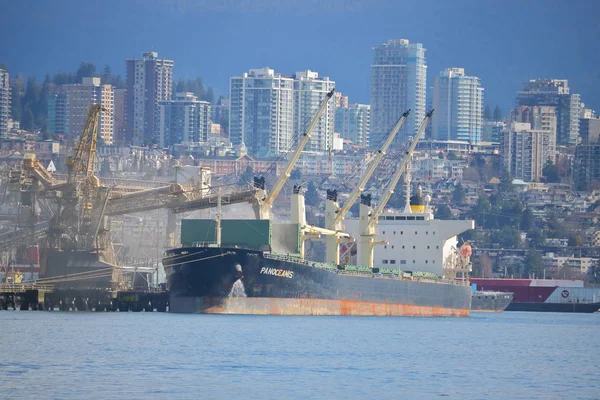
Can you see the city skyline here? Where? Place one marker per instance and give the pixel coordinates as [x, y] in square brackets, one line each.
[501, 56]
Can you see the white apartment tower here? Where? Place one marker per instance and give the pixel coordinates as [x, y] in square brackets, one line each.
[149, 81]
[398, 82]
[184, 119]
[309, 91]
[4, 102]
[458, 105]
[354, 123]
[261, 113]
[68, 109]
[525, 151]
[540, 118]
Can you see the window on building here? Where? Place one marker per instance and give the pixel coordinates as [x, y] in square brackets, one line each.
[402, 261]
[392, 261]
[384, 261]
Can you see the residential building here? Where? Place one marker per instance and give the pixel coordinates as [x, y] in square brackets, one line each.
[541, 118]
[525, 151]
[341, 100]
[589, 129]
[458, 105]
[586, 169]
[556, 264]
[68, 109]
[120, 123]
[398, 82]
[492, 131]
[4, 102]
[309, 91]
[149, 81]
[183, 120]
[556, 93]
[354, 123]
[261, 113]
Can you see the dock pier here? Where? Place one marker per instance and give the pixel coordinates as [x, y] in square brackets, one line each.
[50, 299]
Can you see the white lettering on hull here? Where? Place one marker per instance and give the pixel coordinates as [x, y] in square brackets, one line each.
[283, 273]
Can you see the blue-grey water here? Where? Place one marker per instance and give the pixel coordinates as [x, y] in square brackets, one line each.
[77, 355]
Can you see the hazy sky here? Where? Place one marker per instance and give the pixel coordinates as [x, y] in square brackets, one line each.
[503, 42]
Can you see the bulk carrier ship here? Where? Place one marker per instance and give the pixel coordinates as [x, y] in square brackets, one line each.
[258, 266]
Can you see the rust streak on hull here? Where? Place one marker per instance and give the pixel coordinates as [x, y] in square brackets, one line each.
[279, 306]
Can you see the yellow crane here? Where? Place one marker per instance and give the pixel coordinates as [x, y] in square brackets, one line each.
[334, 215]
[368, 217]
[264, 201]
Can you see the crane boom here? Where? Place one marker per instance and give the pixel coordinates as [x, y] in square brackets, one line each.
[370, 170]
[399, 171]
[88, 143]
[266, 201]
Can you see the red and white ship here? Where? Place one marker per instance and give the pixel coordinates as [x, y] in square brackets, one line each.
[554, 295]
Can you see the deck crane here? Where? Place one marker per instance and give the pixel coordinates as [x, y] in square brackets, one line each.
[334, 215]
[264, 202]
[369, 217]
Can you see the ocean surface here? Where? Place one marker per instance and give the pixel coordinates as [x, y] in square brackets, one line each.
[85, 355]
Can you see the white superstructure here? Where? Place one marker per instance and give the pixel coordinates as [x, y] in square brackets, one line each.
[415, 241]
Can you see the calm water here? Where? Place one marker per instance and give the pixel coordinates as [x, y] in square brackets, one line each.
[153, 355]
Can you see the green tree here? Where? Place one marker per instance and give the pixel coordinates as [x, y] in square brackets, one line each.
[497, 114]
[507, 237]
[247, 176]
[533, 264]
[443, 212]
[506, 185]
[452, 155]
[487, 113]
[296, 174]
[312, 195]
[441, 155]
[550, 172]
[106, 74]
[17, 89]
[527, 219]
[535, 237]
[180, 86]
[458, 195]
[481, 211]
[27, 120]
[86, 70]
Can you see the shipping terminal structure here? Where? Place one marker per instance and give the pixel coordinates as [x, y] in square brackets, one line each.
[258, 266]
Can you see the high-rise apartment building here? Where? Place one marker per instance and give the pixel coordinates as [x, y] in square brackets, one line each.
[586, 171]
[492, 131]
[398, 82]
[354, 123]
[556, 93]
[309, 91]
[589, 129]
[68, 109]
[458, 105]
[541, 118]
[120, 122]
[184, 119]
[525, 151]
[149, 81]
[340, 100]
[261, 113]
[4, 102]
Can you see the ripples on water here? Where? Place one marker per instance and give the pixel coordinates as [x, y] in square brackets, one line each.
[157, 355]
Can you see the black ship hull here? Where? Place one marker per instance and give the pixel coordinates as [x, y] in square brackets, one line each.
[490, 301]
[240, 281]
[555, 307]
